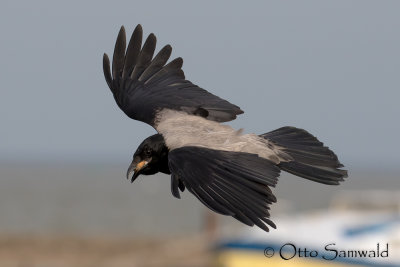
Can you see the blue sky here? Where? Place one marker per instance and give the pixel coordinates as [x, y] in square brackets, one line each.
[331, 67]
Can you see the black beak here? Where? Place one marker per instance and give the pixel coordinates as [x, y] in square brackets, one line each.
[136, 169]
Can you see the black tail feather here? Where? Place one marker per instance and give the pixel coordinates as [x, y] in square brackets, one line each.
[311, 159]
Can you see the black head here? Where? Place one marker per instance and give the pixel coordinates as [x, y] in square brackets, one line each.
[150, 157]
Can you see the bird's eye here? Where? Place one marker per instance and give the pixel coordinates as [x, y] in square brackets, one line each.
[147, 152]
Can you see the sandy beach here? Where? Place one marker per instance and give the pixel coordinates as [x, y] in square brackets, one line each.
[101, 252]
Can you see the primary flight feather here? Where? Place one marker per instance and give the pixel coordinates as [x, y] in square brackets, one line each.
[228, 171]
[143, 85]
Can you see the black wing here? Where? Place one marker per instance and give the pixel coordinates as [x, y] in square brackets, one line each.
[143, 85]
[229, 183]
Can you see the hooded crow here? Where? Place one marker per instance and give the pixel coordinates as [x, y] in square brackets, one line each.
[229, 172]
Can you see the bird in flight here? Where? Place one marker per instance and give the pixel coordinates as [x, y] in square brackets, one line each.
[228, 171]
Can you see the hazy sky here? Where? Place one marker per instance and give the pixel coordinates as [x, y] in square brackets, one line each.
[331, 67]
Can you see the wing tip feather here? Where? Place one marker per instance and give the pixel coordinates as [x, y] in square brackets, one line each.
[152, 38]
[107, 70]
[119, 53]
[138, 28]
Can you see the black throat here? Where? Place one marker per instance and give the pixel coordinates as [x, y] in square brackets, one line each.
[164, 168]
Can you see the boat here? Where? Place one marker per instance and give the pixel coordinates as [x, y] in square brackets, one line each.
[361, 228]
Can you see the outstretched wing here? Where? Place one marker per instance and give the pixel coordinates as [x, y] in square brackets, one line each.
[229, 183]
[143, 85]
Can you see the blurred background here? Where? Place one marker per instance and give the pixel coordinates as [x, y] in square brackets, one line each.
[331, 67]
